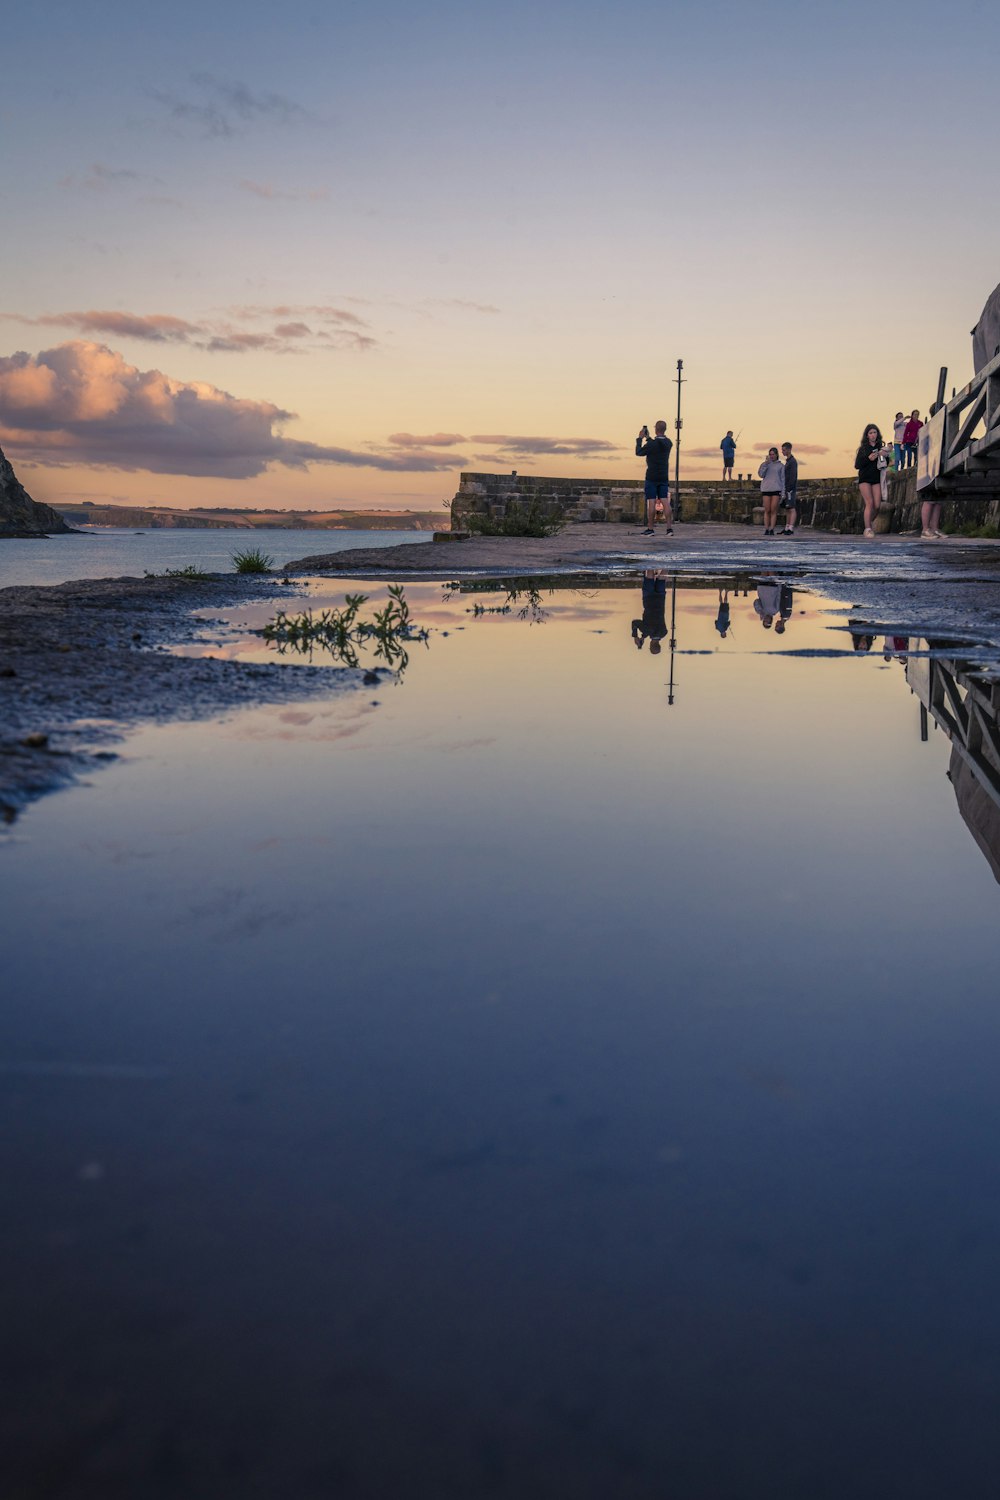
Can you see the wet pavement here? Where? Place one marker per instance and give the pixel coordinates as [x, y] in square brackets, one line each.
[569, 1068]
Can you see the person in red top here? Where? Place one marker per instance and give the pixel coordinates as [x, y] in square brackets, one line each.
[910, 431]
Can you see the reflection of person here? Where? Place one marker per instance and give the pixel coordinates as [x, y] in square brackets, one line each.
[772, 484]
[656, 452]
[898, 645]
[653, 625]
[768, 601]
[791, 485]
[862, 642]
[728, 446]
[785, 600]
[866, 461]
[722, 618]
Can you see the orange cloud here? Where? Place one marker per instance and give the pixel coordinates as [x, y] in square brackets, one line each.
[82, 402]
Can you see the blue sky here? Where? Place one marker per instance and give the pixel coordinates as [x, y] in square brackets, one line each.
[529, 214]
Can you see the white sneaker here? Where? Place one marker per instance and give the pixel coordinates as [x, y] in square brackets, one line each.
[869, 532]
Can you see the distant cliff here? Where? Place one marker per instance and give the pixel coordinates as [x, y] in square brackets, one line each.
[19, 514]
[153, 518]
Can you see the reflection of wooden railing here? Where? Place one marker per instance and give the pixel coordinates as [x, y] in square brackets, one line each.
[967, 707]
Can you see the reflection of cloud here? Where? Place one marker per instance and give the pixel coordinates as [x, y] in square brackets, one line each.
[527, 447]
[82, 403]
[429, 440]
[343, 332]
[220, 109]
[265, 190]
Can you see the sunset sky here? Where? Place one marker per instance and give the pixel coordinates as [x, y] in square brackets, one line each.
[318, 255]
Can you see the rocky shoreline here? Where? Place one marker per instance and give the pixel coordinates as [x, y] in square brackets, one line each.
[81, 661]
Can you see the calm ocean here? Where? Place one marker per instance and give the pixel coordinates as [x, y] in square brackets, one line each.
[120, 553]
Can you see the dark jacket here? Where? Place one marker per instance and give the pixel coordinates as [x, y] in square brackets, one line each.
[656, 452]
[866, 463]
[791, 473]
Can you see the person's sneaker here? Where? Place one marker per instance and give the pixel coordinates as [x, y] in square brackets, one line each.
[869, 532]
[670, 531]
[648, 531]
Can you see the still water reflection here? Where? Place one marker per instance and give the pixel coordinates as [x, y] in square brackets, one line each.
[570, 1071]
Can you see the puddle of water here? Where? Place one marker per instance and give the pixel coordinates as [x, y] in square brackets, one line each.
[596, 1091]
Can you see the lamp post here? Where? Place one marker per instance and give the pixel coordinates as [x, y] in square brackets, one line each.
[677, 447]
[673, 638]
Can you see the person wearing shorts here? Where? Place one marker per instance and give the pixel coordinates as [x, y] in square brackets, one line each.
[866, 461]
[656, 452]
[791, 485]
[653, 625]
[728, 446]
[772, 487]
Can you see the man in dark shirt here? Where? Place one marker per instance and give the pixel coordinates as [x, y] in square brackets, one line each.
[728, 446]
[653, 625]
[656, 452]
[791, 503]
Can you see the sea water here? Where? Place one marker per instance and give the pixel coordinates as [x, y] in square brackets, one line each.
[117, 553]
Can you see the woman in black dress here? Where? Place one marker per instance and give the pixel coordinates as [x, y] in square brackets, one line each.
[869, 474]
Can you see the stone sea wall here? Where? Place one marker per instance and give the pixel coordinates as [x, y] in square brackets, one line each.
[828, 504]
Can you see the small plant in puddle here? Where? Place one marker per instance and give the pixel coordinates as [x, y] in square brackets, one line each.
[341, 632]
[252, 560]
[532, 609]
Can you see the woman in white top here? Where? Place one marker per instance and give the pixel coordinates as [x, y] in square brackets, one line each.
[772, 487]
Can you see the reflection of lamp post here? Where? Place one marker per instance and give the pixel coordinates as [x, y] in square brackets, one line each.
[677, 448]
[673, 638]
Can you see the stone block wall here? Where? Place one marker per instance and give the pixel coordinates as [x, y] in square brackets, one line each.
[980, 511]
[827, 504]
[615, 500]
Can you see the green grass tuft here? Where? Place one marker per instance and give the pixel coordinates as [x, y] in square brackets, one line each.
[987, 532]
[518, 521]
[189, 572]
[252, 560]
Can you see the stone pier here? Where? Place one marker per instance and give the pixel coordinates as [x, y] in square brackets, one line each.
[828, 504]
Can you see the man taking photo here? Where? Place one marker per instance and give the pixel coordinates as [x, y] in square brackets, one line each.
[656, 452]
